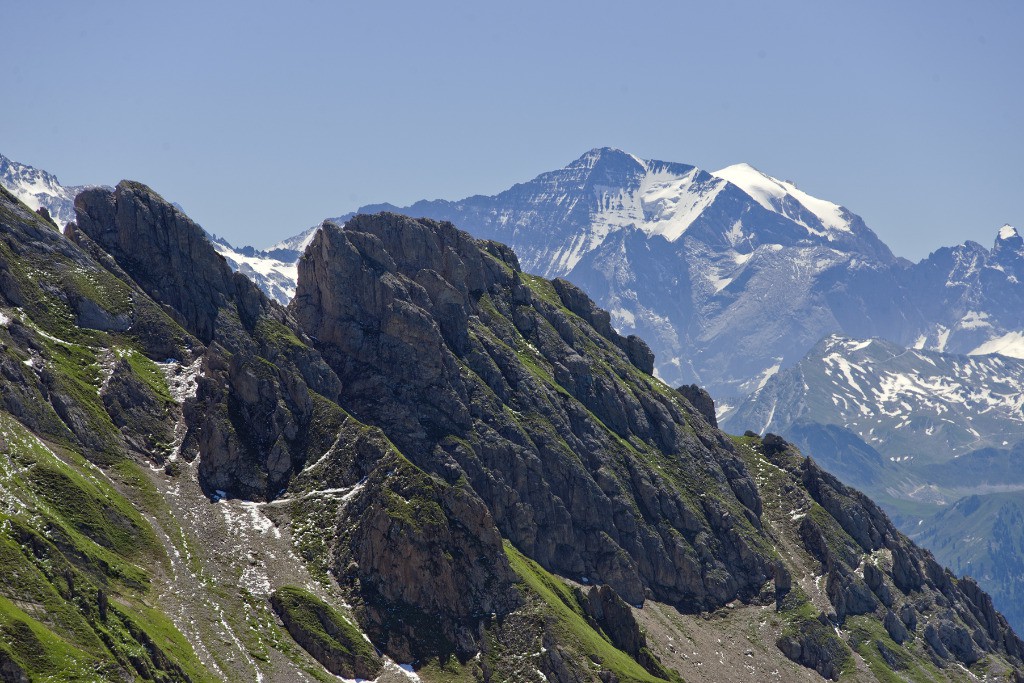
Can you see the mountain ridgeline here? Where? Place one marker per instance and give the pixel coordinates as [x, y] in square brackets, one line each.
[728, 275]
[933, 437]
[733, 274]
[429, 447]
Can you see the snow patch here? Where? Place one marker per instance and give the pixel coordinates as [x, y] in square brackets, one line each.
[1010, 344]
[973, 320]
[779, 196]
[767, 375]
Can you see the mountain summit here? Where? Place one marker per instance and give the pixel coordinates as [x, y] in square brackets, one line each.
[819, 216]
[430, 458]
[729, 276]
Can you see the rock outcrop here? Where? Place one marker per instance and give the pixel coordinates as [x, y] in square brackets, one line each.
[478, 372]
[253, 420]
[700, 399]
[325, 634]
[426, 563]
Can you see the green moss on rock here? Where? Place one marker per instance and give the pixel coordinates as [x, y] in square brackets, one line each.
[327, 635]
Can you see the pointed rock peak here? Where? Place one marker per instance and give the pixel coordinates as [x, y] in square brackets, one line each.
[165, 252]
[609, 157]
[1008, 232]
[1009, 243]
[607, 153]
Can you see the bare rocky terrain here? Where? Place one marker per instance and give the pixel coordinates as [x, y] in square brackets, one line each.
[430, 465]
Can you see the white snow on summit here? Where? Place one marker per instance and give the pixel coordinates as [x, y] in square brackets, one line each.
[37, 188]
[298, 242]
[779, 196]
[1007, 232]
[1010, 344]
[663, 203]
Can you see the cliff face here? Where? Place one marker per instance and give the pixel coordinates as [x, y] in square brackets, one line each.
[251, 422]
[480, 373]
[518, 389]
[428, 447]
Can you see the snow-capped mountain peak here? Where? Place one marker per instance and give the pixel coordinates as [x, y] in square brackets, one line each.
[1008, 232]
[1009, 247]
[37, 188]
[664, 200]
[819, 216]
[298, 242]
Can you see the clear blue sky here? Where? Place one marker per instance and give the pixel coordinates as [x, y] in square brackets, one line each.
[263, 118]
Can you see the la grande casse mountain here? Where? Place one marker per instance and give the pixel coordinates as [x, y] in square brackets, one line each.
[199, 484]
[730, 275]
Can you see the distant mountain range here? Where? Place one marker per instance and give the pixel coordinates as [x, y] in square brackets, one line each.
[730, 276]
[786, 306]
[39, 189]
[894, 398]
[935, 437]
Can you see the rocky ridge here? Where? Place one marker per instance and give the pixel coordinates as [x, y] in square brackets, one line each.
[704, 264]
[929, 435]
[457, 444]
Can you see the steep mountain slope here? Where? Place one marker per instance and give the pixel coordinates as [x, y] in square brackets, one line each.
[917, 430]
[450, 432]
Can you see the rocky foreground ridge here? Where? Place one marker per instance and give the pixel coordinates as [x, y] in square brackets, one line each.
[430, 447]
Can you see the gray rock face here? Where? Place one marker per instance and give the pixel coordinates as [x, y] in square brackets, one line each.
[896, 629]
[701, 400]
[426, 562]
[615, 618]
[252, 420]
[494, 415]
[166, 253]
[815, 648]
[249, 423]
[480, 372]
